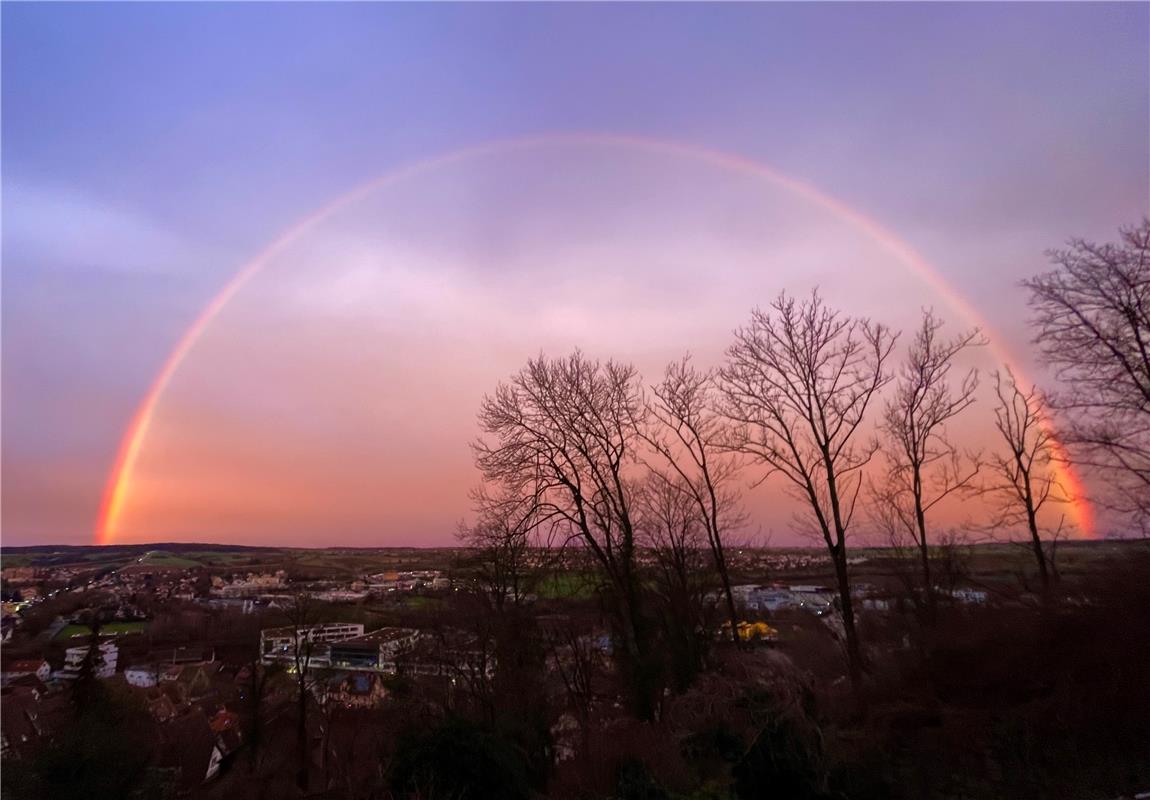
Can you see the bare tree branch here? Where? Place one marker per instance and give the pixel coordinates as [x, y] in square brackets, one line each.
[796, 387]
[1092, 316]
[923, 467]
[690, 440]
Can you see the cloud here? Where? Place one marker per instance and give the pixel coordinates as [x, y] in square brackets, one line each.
[70, 229]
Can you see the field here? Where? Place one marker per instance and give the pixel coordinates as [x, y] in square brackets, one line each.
[566, 586]
[111, 629]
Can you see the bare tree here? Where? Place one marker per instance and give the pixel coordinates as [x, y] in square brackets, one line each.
[691, 439]
[255, 694]
[673, 531]
[1025, 479]
[508, 539]
[797, 384]
[301, 616]
[565, 431]
[1092, 316]
[572, 656]
[923, 466]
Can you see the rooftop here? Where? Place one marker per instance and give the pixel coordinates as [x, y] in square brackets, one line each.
[289, 630]
[382, 636]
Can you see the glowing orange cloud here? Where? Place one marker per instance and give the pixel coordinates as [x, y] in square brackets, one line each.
[120, 478]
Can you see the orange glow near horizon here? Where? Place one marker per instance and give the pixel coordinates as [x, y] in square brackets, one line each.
[120, 483]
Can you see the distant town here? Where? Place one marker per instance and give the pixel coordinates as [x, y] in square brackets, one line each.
[216, 644]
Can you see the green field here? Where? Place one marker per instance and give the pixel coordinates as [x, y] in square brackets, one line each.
[111, 629]
[422, 602]
[566, 586]
[158, 558]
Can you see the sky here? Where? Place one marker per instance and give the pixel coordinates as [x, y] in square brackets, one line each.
[151, 151]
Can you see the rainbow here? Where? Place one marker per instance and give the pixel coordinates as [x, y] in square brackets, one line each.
[120, 478]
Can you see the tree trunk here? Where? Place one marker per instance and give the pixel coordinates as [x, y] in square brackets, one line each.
[301, 740]
[1039, 553]
[924, 549]
[854, 650]
[725, 578]
[927, 582]
[638, 677]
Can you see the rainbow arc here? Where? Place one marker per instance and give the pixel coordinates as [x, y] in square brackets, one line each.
[120, 478]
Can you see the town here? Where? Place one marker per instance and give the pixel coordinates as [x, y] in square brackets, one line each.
[217, 646]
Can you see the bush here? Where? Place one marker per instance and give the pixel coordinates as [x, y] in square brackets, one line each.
[456, 760]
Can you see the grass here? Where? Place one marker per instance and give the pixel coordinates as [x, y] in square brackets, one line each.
[111, 629]
[158, 558]
[422, 602]
[566, 586]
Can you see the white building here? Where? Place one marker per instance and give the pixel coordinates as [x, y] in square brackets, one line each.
[144, 676]
[279, 644]
[377, 651]
[750, 597]
[104, 663]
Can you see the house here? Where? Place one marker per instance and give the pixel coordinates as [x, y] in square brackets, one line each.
[224, 720]
[142, 675]
[253, 584]
[190, 749]
[163, 703]
[352, 689]
[29, 682]
[17, 669]
[969, 596]
[191, 682]
[21, 574]
[25, 716]
[187, 655]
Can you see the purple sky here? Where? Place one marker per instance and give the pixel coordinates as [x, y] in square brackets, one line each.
[150, 150]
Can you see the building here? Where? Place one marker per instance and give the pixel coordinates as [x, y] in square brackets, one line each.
[17, 669]
[340, 596]
[104, 665]
[378, 651]
[819, 599]
[251, 585]
[141, 675]
[190, 749]
[26, 716]
[352, 689]
[969, 596]
[21, 574]
[279, 644]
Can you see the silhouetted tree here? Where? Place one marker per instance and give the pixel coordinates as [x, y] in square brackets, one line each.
[104, 753]
[457, 760]
[923, 466]
[255, 696]
[797, 384]
[514, 552]
[691, 439]
[86, 686]
[1092, 315]
[301, 614]
[565, 431]
[1024, 477]
[673, 531]
[511, 540]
